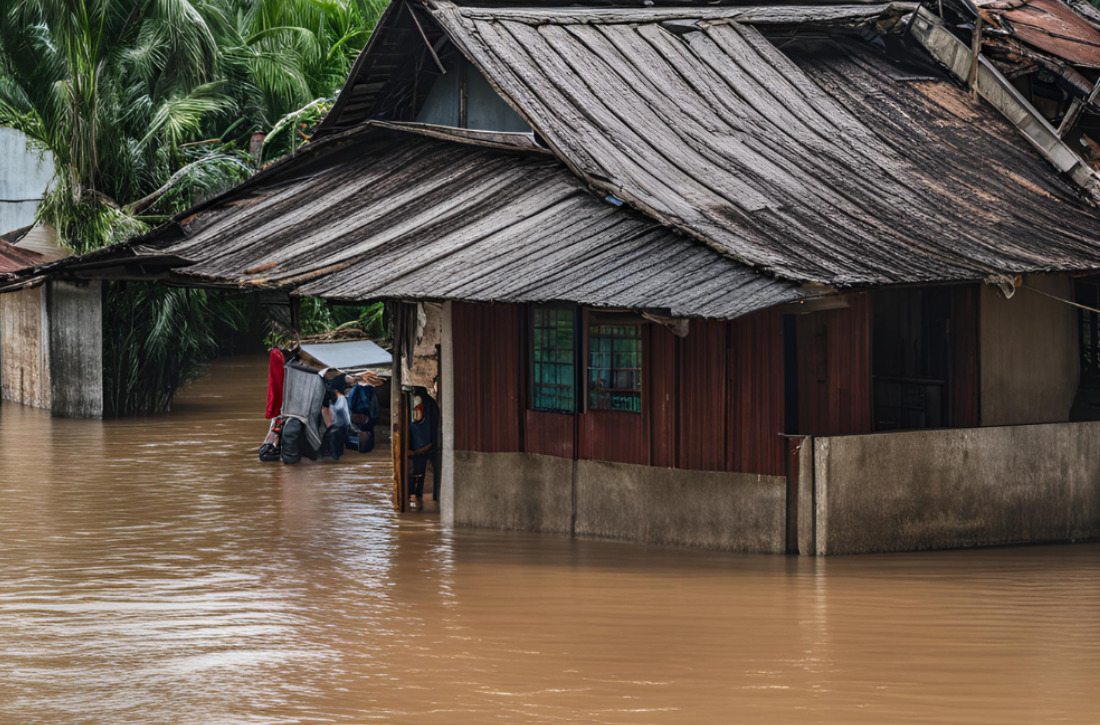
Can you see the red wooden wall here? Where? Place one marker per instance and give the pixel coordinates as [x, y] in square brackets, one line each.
[834, 370]
[711, 401]
[488, 371]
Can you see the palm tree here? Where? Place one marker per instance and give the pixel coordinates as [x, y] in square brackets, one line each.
[148, 105]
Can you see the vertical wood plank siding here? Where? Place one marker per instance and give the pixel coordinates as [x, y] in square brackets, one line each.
[550, 434]
[488, 371]
[712, 401]
[757, 399]
[661, 379]
[834, 370]
[703, 396]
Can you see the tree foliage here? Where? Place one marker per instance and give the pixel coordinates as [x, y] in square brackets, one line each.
[147, 106]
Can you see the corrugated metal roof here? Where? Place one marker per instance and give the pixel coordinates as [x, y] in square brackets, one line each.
[13, 259]
[381, 86]
[878, 178]
[1050, 25]
[349, 355]
[403, 216]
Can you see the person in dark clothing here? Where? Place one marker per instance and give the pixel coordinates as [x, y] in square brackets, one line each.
[338, 417]
[423, 412]
[363, 404]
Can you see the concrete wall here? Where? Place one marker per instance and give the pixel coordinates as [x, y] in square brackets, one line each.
[447, 412]
[23, 175]
[519, 491]
[645, 504]
[24, 350]
[76, 349]
[957, 488]
[1029, 363]
[702, 509]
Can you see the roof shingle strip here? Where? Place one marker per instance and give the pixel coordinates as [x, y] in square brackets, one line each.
[721, 135]
[410, 217]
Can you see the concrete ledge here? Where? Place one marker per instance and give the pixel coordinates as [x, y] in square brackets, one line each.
[520, 491]
[702, 509]
[957, 488]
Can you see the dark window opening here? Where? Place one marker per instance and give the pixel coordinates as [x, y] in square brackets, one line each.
[911, 358]
[1087, 293]
[554, 359]
[615, 367]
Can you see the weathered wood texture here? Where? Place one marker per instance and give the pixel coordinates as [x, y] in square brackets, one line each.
[712, 401]
[396, 215]
[834, 370]
[24, 348]
[820, 163]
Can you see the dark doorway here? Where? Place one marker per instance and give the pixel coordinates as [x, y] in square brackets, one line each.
[924, 357]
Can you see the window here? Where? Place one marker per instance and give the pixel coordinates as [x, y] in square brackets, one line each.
[911, 358]
[615, 367]
[554, 360]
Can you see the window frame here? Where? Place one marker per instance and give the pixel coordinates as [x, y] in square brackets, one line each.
[578, 348]
[596, 318]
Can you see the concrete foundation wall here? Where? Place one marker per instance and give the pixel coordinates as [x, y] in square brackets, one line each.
[707, 510]
[957, 488]
[76, 349]
[1029, 362]
[520, 491]
[24, 350]
[645, 504]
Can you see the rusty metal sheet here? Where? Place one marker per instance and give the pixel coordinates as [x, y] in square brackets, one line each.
[14, 259]
[1051, 26]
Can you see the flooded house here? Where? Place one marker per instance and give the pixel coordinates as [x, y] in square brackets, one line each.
[789, 279]
[50, 336]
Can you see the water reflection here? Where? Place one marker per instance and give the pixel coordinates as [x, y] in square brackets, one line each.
[153, 571]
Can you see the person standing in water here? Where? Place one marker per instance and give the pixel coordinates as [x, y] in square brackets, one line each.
[337, 434]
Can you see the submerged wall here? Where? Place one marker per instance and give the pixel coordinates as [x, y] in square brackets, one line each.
[627, 502]
[51, 348]
[1029, 360]
[945, 489]
[76, 349]
[24, 348]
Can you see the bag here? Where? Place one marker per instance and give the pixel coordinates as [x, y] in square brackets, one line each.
[293, 435]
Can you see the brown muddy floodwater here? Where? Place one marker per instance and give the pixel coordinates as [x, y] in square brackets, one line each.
[153, 571]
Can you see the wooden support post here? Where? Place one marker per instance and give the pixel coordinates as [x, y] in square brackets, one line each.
[976, 53]
[416, 20]
[399, 414]
[1076, 109]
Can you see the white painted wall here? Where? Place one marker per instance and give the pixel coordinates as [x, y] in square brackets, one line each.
[24, 174]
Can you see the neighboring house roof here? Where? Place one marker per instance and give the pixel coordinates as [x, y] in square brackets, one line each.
[14, 259]
[42, 240]
[829, 165]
